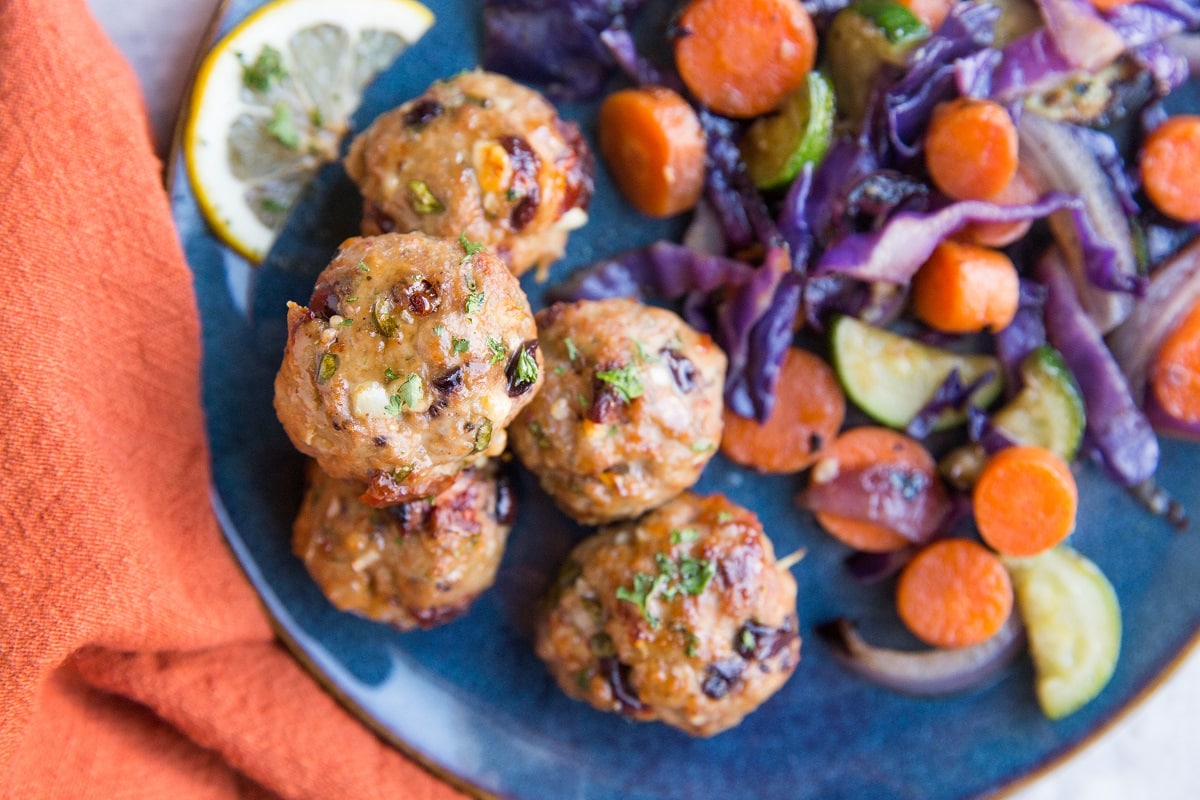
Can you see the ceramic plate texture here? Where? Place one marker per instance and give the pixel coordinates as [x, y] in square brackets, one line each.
[472, 700]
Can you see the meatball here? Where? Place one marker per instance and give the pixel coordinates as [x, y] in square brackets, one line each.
[682, 617]
[412, 357]
[479, 154]
[413, 565]
[630, 412]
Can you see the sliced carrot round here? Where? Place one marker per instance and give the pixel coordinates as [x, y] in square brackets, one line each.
[1025, 500]
[862, 447]
[1170, 166]
[931, 12]
[809, 409]
[1019, 191]
[971, 148]
[964, 288]
[1175, 375]
[652, 142]
[954, 593]
[741, 58]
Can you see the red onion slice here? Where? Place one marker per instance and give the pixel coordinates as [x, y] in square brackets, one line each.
[1174, 290]
[926, 673]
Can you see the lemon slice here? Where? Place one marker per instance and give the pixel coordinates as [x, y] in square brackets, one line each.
[273, 99]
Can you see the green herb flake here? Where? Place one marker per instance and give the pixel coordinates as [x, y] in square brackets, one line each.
[642, 354]
[572, 350]
[746, 642]
[559, 369]
[282, 126]
[471, 248]
[695, 573]
[483, 435]
[724, 516]
[625, 380]
[390, 375]
[362, 265]
[395, 406]
[346, 323]
[326, 368]
[460, 345]
[498, 350]
[527, 367]
[422, 199]
[643, 586]
[272, 205]
[266, 69]
[412, 390]
[400, 474]
[684, 535]
[439, 329]
[703, 446]
[475, 301]
[353, 299]
[692, 645]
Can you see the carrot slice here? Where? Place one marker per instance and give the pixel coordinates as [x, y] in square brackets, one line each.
[964, 288]
[931, 12]
[809, 409]
[1170, 166]
[1109, 5]
[1025, 500]
[742, 57]
[1019, 191]
[954, 593]
[653, 144]
[1175, 375]
[971, 148]
[859, 448]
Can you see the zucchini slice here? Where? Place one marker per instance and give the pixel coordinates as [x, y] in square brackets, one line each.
[1074, 622]
[776, 147]
[892, 377]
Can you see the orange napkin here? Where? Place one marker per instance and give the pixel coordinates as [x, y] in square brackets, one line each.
[135, 660]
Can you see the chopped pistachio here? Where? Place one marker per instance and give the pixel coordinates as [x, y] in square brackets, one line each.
[422, 198]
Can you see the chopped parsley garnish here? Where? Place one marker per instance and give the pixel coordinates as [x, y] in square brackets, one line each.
[411, 390]
[642, 355]
[346, 323]
[362, 265]
[460, 345]
[643, 586]
[702, 446]
[470, 247]
[559, 369]
[475, 301]
[353, 299]
[282, 126]
[264, 70]
[746, 642]
[439, 329]
[422, 198]
[527, 368]
[390, 375]
[683, 535]
[272, 205]
[690, 575]
[724, 516]
[625, 380]
[409, 395]
[572, 350]
[498, 350]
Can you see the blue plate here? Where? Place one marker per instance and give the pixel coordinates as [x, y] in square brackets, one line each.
[473, 702]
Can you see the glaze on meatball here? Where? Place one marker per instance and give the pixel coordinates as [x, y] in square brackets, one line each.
[414, 565]
[682, 617]
[412, 357]
[479, 154]
[630, 412]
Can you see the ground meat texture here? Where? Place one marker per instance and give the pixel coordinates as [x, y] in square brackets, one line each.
[682, 617]
[630, 412]
[414, 565]
[400, 372]
[479, 154]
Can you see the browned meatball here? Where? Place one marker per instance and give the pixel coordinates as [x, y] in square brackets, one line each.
[413, 565]
[479, 154]
[410, 360]
[682, 617]
[630, 412]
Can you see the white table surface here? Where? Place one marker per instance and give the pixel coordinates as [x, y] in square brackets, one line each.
[1152, 753]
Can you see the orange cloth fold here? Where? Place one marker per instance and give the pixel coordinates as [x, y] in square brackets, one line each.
[135, 659]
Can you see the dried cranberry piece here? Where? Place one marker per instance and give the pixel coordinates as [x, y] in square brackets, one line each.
[721, 676]
[683, 371]
[423, 111]
[525, 166]
[423, 299]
